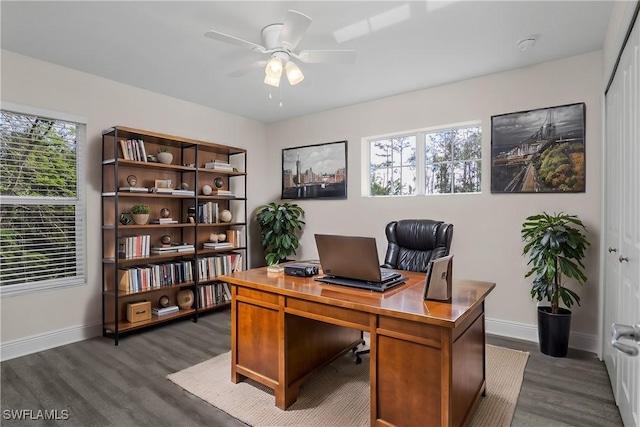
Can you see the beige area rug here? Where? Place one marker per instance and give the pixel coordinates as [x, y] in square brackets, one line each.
[338, 395]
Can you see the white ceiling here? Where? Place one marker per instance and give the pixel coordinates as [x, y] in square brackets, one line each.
[159, 46]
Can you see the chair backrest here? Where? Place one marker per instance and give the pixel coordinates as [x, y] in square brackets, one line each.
[415, 242]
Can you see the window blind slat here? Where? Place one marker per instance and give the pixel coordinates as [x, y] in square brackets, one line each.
[42, 204]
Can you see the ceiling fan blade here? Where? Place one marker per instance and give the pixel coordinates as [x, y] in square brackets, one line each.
[248, 69]
[215, 35]
[327, 56]
[294, 27]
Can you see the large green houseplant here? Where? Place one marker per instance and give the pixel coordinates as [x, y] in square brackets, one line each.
[280, 227]
[555, 245]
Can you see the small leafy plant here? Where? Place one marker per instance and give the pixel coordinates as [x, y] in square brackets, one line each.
[556, 247]
[140, 209]
[280, 225]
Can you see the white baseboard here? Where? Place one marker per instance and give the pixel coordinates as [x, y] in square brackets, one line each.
[36, 343]
[33, 344]
[527, 332]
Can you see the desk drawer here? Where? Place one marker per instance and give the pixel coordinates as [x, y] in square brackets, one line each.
[257, 295]
[328, 313]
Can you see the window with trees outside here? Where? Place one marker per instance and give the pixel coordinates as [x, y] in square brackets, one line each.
[442, 161]
[42, 203]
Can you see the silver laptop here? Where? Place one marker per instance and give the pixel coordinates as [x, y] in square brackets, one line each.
[353, 261]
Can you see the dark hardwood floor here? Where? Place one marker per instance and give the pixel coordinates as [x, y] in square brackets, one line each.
[98, 384]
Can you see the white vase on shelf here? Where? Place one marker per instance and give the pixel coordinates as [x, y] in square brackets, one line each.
[165, 157]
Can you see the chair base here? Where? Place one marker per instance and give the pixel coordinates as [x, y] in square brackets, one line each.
[358, 353]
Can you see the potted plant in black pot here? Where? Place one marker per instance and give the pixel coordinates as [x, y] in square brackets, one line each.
[556, 247]
[280, 228]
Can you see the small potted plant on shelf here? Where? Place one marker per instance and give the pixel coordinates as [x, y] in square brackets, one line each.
[280, 227]
[140, 214]
[556, 247]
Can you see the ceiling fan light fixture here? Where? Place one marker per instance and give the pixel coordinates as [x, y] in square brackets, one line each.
[274, 67]
[294, 74]
[272, 81]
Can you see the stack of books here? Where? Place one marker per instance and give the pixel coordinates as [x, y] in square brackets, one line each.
[159, 250]
[163, 311]
[134, 189]
[179, 192]
[220, 245]
[164, 221]
[221, 192]
[183, 247]
[219, 165]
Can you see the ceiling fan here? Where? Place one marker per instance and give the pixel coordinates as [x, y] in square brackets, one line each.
[279, 41]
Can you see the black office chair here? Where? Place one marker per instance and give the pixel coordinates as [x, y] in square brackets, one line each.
[413, 243]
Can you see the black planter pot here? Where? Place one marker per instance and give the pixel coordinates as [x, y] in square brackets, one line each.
[553, 331]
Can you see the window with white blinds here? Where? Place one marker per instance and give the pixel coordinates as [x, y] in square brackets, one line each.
[42, 203]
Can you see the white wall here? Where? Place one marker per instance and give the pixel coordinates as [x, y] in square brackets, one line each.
[486, 239]
[48, 319]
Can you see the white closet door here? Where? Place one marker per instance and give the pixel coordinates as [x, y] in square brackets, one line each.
[622, 219]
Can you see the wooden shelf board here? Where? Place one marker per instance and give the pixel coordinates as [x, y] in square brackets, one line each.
[124, 325]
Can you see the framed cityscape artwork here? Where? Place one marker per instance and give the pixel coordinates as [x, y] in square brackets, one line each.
[539, 151]
[315, 171]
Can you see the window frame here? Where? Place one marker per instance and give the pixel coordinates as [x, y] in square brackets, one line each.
[420, 138]
[80, 279]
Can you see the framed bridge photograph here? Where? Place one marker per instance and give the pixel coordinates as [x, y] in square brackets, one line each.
[315, 171]
[539, 151]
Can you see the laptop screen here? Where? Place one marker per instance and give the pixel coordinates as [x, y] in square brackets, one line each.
[351, 257]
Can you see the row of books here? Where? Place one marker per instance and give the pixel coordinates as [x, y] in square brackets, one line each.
[133, 149]
[234, 237]
[152, 276]
[134, 246]
[214, 293]
[207, 213]
[209, 268]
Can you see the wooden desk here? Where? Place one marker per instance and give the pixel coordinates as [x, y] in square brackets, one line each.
[427, 358]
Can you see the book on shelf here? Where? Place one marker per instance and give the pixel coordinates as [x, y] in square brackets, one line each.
[134, 246]
[163, 311]
[163, 249]
[183, 192]
[218, 166]
[183, 246]
[222, 193]
[133, 149]
[163, 190]
[211, 245]
[234, 237]
[164, 221]
[134, 189]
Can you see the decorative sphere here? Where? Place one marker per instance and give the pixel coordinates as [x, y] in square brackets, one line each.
[184, 186]
[225, 215]
[218, 182]
[132, 180]
[166, 239]
[164, 301]
[213, 237]
[222, 237]
[164, 213]
[206, 190]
